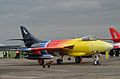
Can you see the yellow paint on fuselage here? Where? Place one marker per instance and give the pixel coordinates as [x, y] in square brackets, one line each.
[86, 48]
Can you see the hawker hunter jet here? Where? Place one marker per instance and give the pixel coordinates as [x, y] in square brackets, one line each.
[78, 48]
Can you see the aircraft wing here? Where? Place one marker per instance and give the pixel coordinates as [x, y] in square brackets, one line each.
[47, 48]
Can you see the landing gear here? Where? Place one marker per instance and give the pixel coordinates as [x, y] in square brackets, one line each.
[47, 63]
[78, 59]
[43, 65]
[117, 53]
[42, 62]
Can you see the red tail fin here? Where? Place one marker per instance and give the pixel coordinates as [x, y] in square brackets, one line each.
[114, 34]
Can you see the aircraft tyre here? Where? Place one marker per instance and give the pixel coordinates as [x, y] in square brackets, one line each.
[43, 66]
[59, 61]
[78, 59]
[48, 65]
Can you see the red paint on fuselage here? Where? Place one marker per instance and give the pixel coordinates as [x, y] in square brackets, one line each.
[55, 43]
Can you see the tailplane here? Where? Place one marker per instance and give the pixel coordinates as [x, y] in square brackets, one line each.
[28, 38]
[114, 34]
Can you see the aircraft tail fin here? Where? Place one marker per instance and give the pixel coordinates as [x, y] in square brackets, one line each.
[28, 38]
[114, 34]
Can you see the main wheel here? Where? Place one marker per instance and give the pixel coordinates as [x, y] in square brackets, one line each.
[48, 65]
[43, 66]
[78, 59]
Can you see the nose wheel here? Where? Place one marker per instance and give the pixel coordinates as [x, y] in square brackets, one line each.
[78, 59]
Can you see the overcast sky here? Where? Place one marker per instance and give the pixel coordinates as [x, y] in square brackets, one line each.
[58, 19]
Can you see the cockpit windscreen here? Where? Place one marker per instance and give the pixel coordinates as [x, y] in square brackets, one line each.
[89, 38]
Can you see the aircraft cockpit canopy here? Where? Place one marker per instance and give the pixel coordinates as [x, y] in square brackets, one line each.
[89, 38]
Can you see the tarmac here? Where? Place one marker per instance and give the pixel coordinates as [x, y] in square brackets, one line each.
[29, 69]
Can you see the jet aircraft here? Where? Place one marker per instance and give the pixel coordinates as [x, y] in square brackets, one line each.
[116, 41]
[79, 47]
